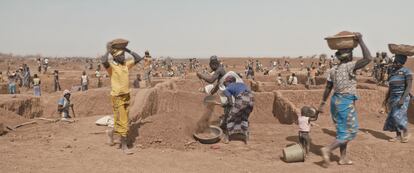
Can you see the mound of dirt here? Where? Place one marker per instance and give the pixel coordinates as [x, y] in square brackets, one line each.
[23, 105]
[11, 119]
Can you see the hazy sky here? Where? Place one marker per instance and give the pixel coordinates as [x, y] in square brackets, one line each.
[185, 28]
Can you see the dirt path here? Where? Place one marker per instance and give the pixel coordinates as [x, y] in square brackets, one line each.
[61, 147]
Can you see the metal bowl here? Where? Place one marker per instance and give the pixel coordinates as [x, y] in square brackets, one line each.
[215, 137]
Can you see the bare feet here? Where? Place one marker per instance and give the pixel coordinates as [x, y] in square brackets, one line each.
[225, 139]
[405, 137]
[110, 134]
[395, 139]
[325, 155]
[345, 162]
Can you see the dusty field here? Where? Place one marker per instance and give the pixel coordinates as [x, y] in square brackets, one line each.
[170, 111]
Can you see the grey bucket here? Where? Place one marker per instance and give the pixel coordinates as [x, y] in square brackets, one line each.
[294, 153]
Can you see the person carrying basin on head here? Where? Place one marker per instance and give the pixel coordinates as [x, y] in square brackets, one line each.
[118, 71]
[342, 80]
[398, 99]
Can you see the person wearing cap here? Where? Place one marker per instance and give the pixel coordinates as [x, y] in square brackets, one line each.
[147, 69]
[241, 102]
[64, 105]
[342, 79]
[118, 71]
[398, 99]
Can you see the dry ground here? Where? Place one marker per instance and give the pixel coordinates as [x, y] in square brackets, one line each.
[164, 142]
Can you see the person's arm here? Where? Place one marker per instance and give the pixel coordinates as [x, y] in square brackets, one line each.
[365, 53]
[105, 60]
[228, 96]
[408, 86]
[326, 93]
[208, 78]
[136, 57]
[60, 108]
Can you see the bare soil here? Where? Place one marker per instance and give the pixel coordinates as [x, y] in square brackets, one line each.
[169, 112]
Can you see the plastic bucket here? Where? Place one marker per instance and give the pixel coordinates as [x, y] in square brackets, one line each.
[294, 153]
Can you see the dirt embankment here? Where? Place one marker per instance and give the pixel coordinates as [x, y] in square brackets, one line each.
[23, 105]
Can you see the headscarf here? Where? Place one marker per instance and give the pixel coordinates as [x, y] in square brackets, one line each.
[66, 92]
[400, 59]
[344, 54]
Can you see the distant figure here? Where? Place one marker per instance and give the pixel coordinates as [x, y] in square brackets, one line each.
[12, 83]
[39, 65]
[301, 65]
[147, 69]
[26, 76]
[137, 80]
[98, 76]
[1, 77]
[84, 81]
[56, 81]
[250, 72]
[45, 65]
[64, 105]
[36, 85]
[293, 80]
[280, 80]
[312, 76]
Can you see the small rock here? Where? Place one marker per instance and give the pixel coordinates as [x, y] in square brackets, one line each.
[75, 139]
[215, 147]
[67, 146]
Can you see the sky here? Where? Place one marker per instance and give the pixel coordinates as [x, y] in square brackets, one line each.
[200, 28]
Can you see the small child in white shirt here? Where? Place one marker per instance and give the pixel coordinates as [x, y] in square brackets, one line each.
[308, 114]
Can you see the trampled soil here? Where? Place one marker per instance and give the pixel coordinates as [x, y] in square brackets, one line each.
[164, 141]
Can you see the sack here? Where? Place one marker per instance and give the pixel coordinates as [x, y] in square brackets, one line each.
[342, 40]
[401, 49]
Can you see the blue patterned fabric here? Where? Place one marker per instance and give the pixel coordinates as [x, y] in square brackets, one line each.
[397, 116]
[397, 80]
[345, 116]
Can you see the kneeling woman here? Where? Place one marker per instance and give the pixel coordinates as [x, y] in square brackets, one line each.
[398, 98]
[237, 121]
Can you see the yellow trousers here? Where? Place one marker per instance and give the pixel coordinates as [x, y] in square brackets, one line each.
[120, 106]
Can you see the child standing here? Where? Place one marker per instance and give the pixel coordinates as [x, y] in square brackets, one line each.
[308, 114]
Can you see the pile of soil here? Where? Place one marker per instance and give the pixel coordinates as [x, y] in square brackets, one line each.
[10, 118]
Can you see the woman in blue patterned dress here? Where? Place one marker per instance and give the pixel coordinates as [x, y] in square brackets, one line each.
[398, 98]
[342, 79]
